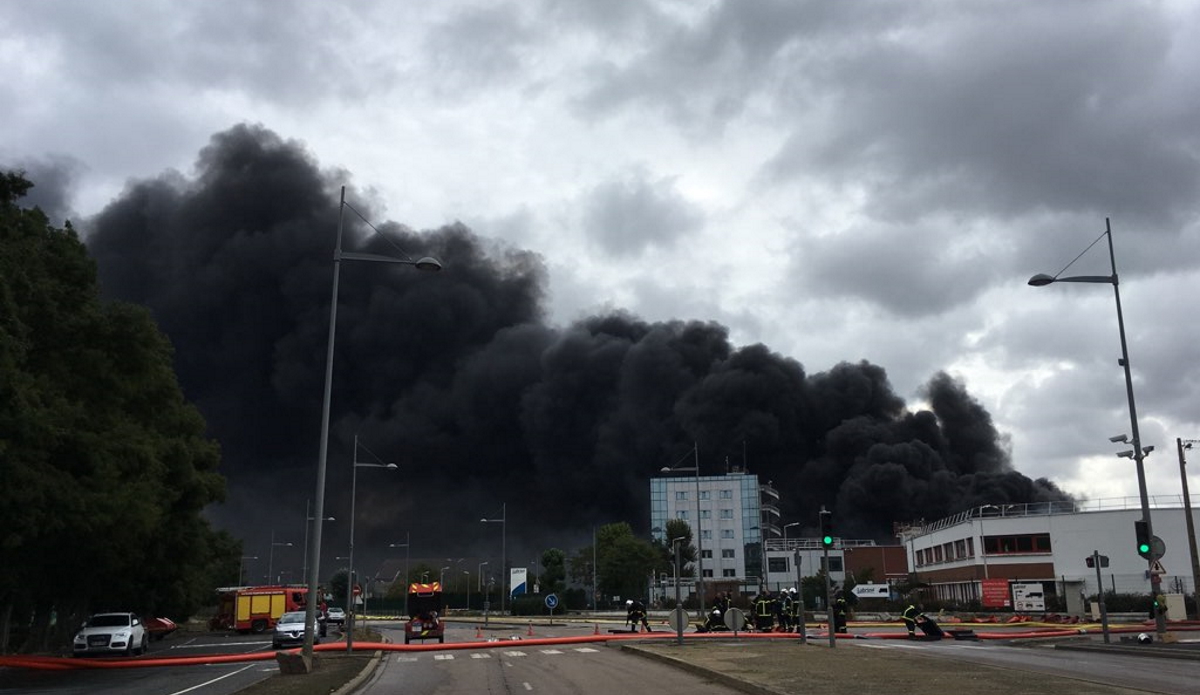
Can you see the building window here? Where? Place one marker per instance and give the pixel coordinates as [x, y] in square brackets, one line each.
[960, 549]
[1035, 543]
[681, 514]
[726, 513]
[704, 495]
[705, 513]
[708, 574]
[728, 573]
[777, 564]
[726, 494]
[706, 554]
[706, 535]
[970, 547]
[937, 554]
[728, 553]
[727, 533]
[835, 564]
[681, 495]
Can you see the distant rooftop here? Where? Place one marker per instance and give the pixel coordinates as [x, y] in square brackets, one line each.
[992, 511]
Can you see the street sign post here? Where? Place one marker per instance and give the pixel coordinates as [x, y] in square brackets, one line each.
[1097, 560]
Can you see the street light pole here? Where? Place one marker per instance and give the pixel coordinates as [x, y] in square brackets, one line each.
[503, 550]
[1139, 454]
[699, 534]
[785, 543]
[350, 570]
[1182, 444]
[271, 555]
[407, 555]
[241, 564]
[308, 519]
[426, 264]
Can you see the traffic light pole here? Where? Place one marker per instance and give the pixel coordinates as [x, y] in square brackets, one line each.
[826, 542]
[1100, 595]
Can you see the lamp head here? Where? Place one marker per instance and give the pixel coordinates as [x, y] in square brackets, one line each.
[1041, 280]
[428, 264]
[1119, 439]
[391, 466]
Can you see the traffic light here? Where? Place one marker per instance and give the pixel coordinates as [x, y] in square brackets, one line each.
[826, 529]
[1143, 538]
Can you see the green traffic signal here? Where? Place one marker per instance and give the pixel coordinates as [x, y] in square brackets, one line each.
[827, 541]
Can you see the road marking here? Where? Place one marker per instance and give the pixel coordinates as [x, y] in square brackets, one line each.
[406, 659]
[586, 649]
[218, 678]
[527, 686]
[480, 656]
[443, 657]
[550, 651]
[514, 653]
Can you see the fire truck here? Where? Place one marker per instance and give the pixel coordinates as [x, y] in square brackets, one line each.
[257, 608]
[424, 612]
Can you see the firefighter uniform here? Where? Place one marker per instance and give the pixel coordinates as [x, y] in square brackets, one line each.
[839, 613]
[763, 619]
[910, 619]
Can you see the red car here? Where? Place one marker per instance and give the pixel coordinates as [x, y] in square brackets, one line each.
[424, 612]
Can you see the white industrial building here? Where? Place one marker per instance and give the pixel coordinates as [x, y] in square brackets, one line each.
[994, 552]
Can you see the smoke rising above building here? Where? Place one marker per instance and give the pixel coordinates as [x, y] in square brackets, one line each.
[460, 379]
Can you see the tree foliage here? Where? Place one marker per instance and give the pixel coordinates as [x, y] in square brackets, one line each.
[624, 563]
[106, 468]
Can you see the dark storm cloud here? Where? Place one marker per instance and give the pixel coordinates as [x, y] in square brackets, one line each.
[457, 377]
[626, 215]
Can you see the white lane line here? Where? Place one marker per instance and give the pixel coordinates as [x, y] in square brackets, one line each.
[481, 656]
[527, 686]
[218, 678]
[550, 651]
[585, 650]
[406, 659]
[514, 653]
[443, 657]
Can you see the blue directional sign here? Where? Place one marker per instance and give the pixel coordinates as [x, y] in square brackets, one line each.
[551, 601]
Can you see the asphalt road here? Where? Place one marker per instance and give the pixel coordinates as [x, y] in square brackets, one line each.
[574, 669]
[214, 679]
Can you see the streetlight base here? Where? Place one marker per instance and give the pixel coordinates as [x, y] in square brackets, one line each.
[293, 663]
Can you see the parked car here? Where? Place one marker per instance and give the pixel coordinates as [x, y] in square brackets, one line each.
[289, 630]
[336, 615]
[111, 633]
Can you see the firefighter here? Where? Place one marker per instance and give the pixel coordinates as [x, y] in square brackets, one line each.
[763, 618]
[839, 612]
[797, 611]
[636, 613]
[784, 611]
[723, 602]
[910, 618]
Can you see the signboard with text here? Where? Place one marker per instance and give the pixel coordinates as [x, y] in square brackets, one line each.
[518, 576]
[994, 593]
[1029, 597]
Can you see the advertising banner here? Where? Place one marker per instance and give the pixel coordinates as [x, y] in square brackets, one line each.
[517, 578]
[995, 593]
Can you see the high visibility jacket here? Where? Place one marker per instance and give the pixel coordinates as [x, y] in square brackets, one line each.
[910, 614]
[763, 607]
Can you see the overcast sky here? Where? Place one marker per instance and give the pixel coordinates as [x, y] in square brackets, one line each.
[836, 180]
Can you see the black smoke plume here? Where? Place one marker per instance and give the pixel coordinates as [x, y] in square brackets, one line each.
[458, 378]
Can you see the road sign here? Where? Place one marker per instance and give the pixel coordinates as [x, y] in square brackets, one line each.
[678, 619]
[551, 601]
[1157, 568]
[735, 619]
[1158, 547]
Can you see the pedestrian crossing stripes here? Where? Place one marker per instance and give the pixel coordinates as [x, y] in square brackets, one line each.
[412, 658]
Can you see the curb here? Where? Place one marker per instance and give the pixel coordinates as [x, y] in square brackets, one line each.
[1140, 650]
[715, 676]
[367, 672]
